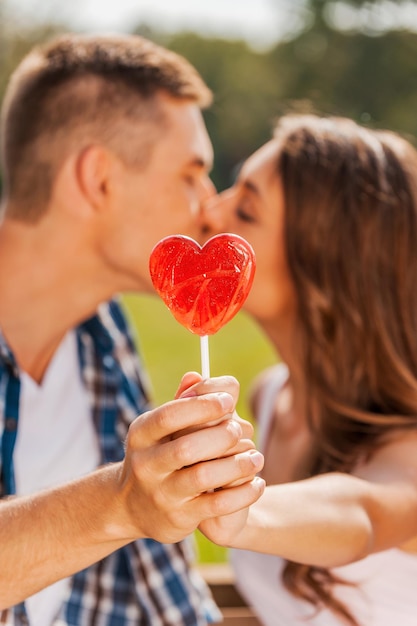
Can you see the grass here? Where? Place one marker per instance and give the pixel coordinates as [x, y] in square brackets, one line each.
[169, 350]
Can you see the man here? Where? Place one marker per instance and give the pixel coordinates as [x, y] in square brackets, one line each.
[104, 151]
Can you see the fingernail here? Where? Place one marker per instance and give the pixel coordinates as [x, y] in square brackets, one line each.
[226, 401]
[257, 458]
[259, 483]
[236, 428]
[188, 393]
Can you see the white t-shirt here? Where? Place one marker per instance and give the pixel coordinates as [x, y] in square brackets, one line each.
[387, 581]
[56, 442]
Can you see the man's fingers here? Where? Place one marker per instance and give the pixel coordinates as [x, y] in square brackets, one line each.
[243, 445]
[211, 385]
[215, 474]
[153, 426]
[227, 501]
[189, 379]
[247, 427]
[198, 446]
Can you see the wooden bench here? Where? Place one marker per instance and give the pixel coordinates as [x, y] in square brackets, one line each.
[235, 611]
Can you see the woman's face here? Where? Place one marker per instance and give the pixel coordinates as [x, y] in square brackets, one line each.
[254, 209]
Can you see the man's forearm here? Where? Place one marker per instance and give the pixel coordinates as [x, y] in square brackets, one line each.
[58, 532]
[163, 489]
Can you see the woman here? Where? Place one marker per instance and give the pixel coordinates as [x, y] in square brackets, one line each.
[331, 211]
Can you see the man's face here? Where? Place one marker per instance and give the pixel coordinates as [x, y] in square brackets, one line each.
[162, 198]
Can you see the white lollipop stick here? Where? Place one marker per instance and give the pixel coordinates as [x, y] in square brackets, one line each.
[205, 358]
[205, 365]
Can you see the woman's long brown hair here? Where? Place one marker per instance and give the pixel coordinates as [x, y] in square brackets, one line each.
[350, 198]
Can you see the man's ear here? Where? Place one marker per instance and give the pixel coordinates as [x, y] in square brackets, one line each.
[94, 169]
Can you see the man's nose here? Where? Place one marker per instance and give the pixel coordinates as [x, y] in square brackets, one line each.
[214, 214]
[205, 190]
[208, 189]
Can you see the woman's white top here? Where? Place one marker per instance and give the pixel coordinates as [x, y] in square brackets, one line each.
[386, 591]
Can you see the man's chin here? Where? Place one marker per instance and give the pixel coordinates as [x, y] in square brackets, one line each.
[137, 284]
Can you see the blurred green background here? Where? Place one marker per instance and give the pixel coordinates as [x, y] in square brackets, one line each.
[352, 57]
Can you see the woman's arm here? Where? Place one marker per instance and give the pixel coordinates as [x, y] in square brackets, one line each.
[332, 519]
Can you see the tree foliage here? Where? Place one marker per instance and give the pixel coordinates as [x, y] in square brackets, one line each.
[370, 76]
[372, 79]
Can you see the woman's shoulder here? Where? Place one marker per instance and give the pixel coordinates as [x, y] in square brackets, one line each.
[265, 387]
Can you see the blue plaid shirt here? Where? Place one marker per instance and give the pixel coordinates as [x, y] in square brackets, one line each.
[145, 583]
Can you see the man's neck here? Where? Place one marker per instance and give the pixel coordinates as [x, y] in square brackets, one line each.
[46, 287]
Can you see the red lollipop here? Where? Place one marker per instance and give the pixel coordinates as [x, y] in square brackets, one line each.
[203, 286]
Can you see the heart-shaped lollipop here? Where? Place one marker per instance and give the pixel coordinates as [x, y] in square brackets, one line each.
[203, 286]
